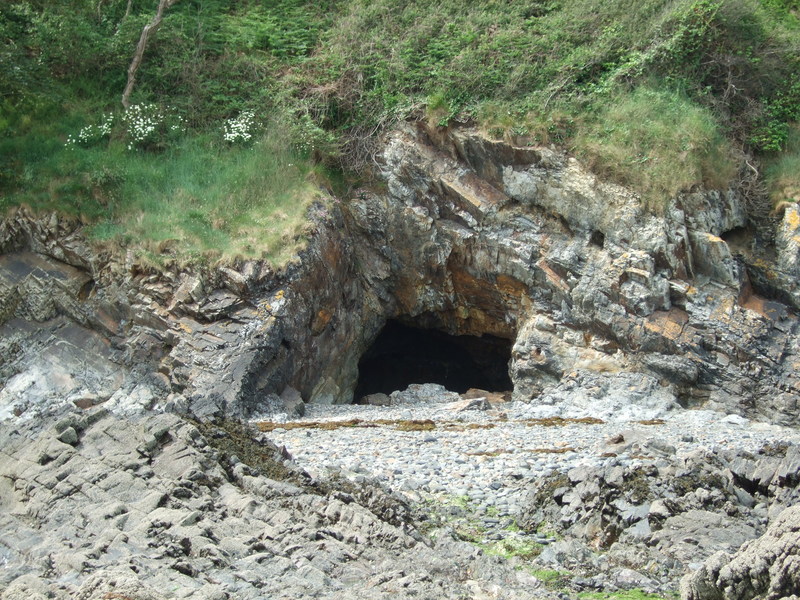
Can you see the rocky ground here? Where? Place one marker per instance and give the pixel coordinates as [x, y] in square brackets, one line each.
[431, 495]
[158, 507]
[594, 495]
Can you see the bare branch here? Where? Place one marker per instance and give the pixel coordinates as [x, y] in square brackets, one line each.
[148, 30]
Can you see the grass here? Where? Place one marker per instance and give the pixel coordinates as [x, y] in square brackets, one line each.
[782, 171]
[201, 200]
[546, 575]
[605, 80]
[656, 141]
[658, 95]
[197, 200]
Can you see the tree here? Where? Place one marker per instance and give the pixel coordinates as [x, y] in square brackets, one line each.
[148, 30]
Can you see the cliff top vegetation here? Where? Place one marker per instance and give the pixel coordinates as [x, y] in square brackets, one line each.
[240, 108]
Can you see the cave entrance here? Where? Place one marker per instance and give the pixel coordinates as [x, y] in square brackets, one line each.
[402, 355]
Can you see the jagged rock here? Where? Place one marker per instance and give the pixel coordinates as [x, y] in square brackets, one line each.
[607, 305]
[147, 505]
[674, 513]
[608, 396]
[376, 400]
[767, 567]
[293, 402]
[472, 236]
[470, 404]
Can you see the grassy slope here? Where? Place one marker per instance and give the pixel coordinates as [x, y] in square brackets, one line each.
[657, 94]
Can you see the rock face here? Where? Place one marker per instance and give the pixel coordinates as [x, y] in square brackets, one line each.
[765, 568]
[471, 236]
[597, 294]
[663, 514]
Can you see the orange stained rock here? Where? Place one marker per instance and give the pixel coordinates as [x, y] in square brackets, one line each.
[669, 324]
[552, 276]
[792, 219]
[724, 310]
[511, 286]
[320, 321]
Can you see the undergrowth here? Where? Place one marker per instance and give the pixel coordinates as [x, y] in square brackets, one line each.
[783, 171]
[198, 199]
[660, 95]
[657, 142]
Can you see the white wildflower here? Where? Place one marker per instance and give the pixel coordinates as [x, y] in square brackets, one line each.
[239, 129]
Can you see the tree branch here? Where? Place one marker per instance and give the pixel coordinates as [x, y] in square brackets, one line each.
[148, 30]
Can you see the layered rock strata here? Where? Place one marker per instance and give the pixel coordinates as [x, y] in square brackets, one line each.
[598, 294]
[156, 508]
[469, 236]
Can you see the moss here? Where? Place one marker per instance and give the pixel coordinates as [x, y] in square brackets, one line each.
[471, 534]
[519, 547]
[551, 578]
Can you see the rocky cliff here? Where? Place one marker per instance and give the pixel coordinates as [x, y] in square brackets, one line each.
[593, 294]
[466, 235]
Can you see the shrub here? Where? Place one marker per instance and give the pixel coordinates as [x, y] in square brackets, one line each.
[782, 171]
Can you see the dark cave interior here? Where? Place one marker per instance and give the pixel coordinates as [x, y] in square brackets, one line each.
[402, 355]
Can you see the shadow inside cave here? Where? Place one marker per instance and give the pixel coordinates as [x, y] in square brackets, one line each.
[402, 355]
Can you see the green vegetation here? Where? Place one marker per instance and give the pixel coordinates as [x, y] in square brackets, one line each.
[660, 95]
[783, 171]
[554, 580]
[546, 575]
[521, 547]
[656, 141]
